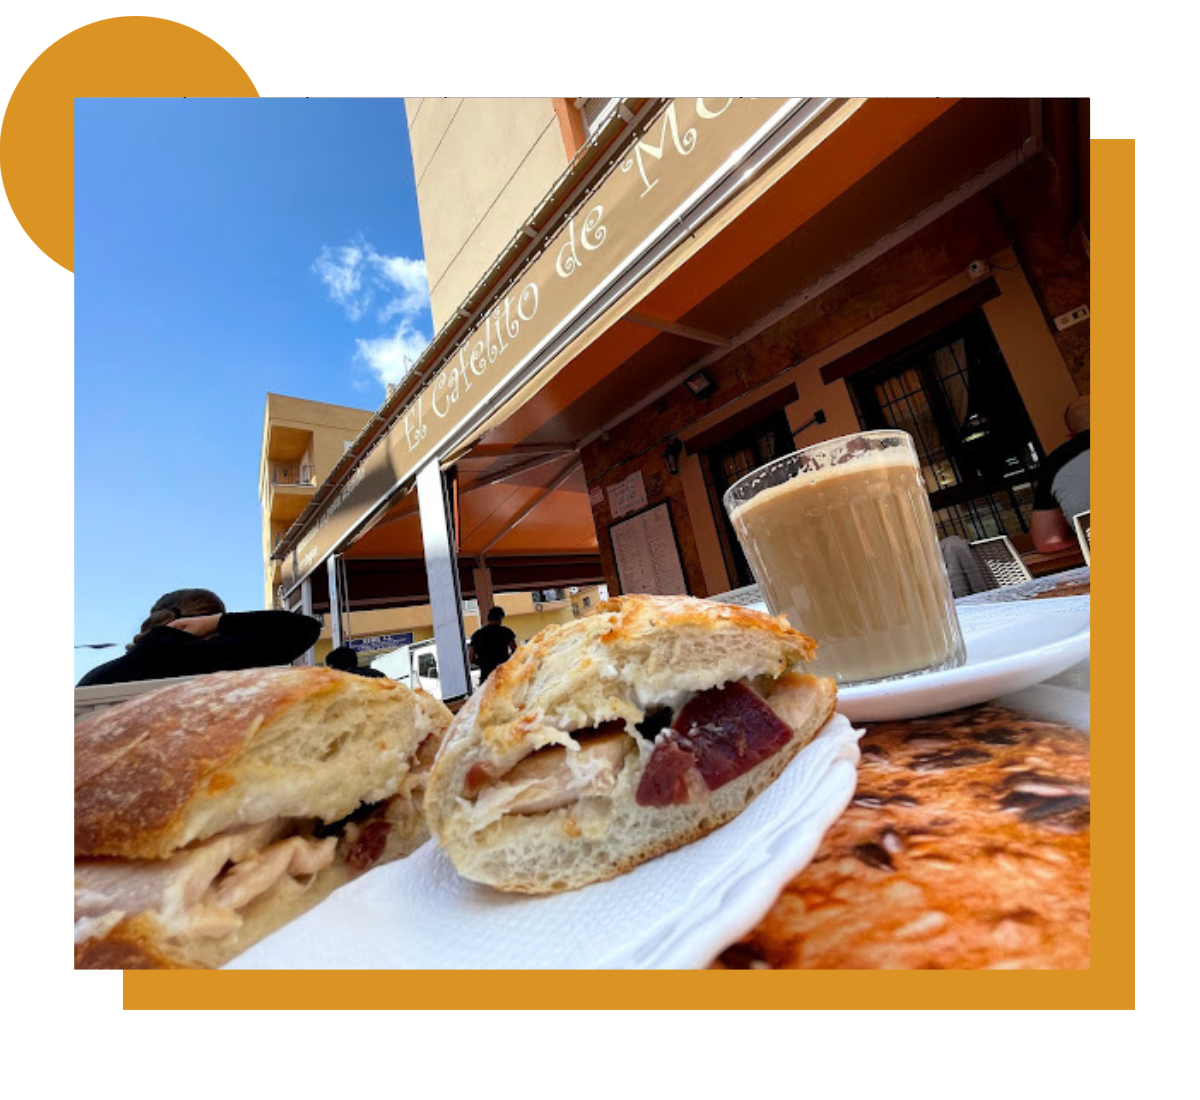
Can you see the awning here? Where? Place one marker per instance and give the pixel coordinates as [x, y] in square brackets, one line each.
[519, 505]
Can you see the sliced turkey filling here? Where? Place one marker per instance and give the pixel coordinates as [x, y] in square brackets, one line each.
[712, 738]
[555, 776]
[192, 892]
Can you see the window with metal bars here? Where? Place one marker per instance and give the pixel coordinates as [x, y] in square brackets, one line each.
[954, 394]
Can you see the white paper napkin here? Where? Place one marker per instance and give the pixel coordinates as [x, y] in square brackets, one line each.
[677, 911]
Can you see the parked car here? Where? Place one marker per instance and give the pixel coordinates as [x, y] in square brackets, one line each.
[416, 666]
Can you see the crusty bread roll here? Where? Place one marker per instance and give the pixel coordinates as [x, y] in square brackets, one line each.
[619, 736]
[212, 811]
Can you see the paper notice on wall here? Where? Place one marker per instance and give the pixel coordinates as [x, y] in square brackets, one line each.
[627, 495]
[647, 555]
[596, 496]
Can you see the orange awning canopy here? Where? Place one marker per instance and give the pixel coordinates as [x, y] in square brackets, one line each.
[515, 503]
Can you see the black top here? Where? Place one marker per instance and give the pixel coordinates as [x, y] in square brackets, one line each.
[370, 673]
[492, 645]
[1043, 497]
[244, 639]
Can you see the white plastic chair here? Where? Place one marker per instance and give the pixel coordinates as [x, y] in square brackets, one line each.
[1000, 558]
[1083, 532]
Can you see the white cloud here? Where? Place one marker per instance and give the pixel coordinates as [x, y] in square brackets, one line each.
[390, 357]
[340, 270]
[357, 277]
[408, 277]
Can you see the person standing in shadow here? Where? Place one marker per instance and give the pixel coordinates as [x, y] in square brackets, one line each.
[491, 645]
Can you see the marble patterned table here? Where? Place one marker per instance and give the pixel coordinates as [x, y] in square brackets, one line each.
[967, 844]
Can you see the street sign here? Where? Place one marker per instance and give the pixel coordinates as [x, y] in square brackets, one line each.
[383, 641]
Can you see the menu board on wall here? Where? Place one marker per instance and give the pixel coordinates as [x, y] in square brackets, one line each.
[627, 495]
[647, 554]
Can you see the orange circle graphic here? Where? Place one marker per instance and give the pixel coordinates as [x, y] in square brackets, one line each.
[135, 56]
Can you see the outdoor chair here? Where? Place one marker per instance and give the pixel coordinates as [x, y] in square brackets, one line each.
[1001, 560]
[965, 571]
[1083, 532]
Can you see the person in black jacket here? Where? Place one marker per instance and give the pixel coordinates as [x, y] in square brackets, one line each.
[491, 645]
[189, 632]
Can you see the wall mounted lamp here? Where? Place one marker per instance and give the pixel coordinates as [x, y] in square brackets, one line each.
[817, 418]
[700, 384]
[671, 456]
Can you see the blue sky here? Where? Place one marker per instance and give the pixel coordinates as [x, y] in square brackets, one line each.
[224, 248]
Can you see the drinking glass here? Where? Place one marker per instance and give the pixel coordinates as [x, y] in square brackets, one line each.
[841, 540]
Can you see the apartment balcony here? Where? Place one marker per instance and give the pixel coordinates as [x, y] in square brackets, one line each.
[291, 487]
[292, 473]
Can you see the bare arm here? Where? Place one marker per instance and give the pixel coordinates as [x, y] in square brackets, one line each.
[1051, 531]
[201, 626]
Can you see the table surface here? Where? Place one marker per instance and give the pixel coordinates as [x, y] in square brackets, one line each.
[1041, 564]
[967, 843]
[1070, 582]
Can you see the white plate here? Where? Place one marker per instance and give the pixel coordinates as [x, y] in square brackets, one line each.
[677, 911]
[1010, 646]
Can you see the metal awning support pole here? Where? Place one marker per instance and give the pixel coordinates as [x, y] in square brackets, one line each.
[344, 590]
[441, 570]
[307, 657]
[332, 564]
[483, 589]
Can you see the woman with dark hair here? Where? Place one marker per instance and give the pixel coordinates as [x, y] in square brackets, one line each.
[189, 632]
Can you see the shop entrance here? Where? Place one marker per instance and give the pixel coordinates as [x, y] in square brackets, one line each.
[954, 395]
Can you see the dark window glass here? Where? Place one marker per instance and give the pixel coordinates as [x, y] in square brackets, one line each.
[954, 395]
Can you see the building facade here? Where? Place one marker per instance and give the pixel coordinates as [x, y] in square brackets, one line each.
[952, 323]
[301, 443]
[655, 296]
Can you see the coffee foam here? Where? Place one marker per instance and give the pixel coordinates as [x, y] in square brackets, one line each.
[870, 460]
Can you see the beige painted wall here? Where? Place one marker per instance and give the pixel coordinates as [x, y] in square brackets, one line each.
[481, 166]
[1031, 352]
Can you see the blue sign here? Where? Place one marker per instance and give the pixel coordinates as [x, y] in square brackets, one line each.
[384, 641]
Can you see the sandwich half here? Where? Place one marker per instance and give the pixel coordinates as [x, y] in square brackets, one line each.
[619, 736]
[213, 811]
